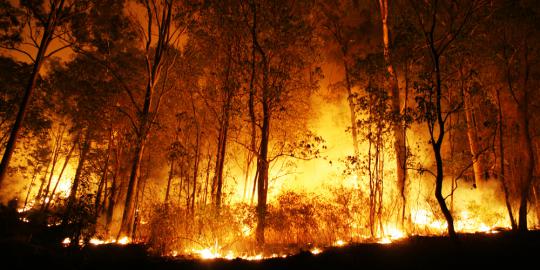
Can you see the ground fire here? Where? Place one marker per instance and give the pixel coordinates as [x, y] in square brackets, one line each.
[269, 131]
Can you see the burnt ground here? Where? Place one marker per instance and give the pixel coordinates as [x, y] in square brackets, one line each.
[504, 250]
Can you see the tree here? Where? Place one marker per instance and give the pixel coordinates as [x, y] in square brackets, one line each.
[282, 64]
[515, 57]
[399, 128]
[440, 23]
[160, 16]
[43, 24]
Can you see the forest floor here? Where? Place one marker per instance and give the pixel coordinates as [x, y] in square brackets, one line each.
[504, 250]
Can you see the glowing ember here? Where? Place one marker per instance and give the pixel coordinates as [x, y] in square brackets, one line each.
[315, 251]
[66, 241]
[385, 241]
[395, 233]
[208, 254]
[340, 243]
[123, 241]
[95, 241]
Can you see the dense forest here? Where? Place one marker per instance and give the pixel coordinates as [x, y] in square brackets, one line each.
[215, 127]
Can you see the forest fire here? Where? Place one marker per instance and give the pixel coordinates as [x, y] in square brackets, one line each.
[267, 130]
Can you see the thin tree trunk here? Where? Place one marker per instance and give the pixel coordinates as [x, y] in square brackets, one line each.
[502, 176]
[262, 168]
[472, 135]
[56, 154]
[399, 144]
[48, 33]
[34, 176]
[113, 193]
[222, 149]
[208, 164]
[77, 178]
[103, 180]
[437, 147]
[169, 180]
[528, 161]
[145, 120]
[68, 157]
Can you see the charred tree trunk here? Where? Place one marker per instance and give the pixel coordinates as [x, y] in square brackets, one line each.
[169, 180]
[114, 185]
[501, 164]
[222, 149]
[153, 65]
[262, 181]
[129, 207]
[68, 157]
[34, 176]
[56, 154]
[528, 166]
[48, 33]
[77, 178]
[104, 173]
[196, 169]
[472, 134]
[399, 129]
[437, 144]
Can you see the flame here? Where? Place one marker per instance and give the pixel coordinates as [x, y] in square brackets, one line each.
[340, 243]
[66, 241]
[124, 240]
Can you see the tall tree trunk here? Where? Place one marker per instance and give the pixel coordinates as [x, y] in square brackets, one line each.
[222, 150]
[68, 157]
[56, 154]
[129, 207]
[104, 173]
[528, 161]
[437, 144]
[114, 185]
[77, 178]
[262, 168]
[472, 134]
[502, 176]
[169, 180]
[154, 66]
[399, 130]
[34, 176]
[48, 33]
[196, 169]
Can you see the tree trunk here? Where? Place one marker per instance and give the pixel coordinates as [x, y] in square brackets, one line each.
[77, 178]
[169, 180]
[146, 117]
[56, 154]
[398, 129]
[472, 135]
[68, 157]
[196, 169]
[262, 168]
[103, 180]
[437, 147]
[129, 207]
[528, 160]
[48, 33]
[222, 150]
[501, 164]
